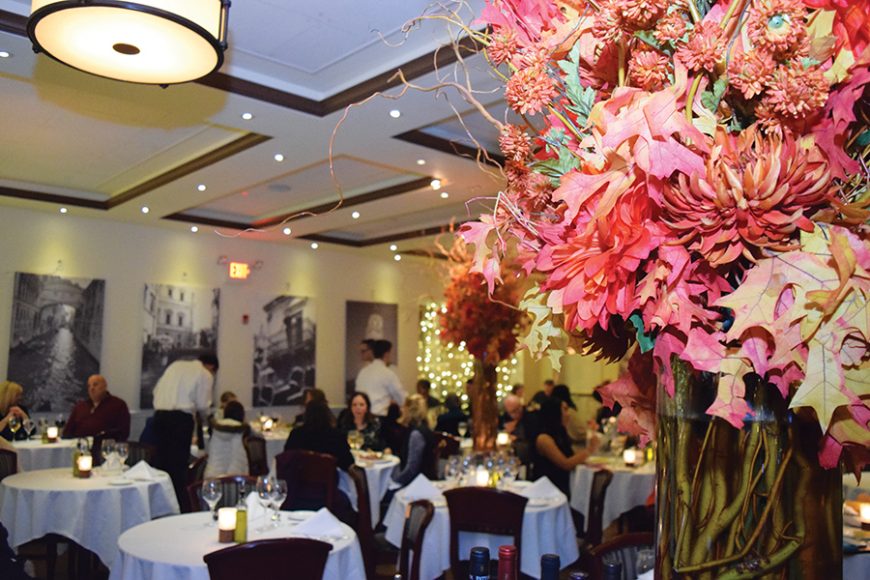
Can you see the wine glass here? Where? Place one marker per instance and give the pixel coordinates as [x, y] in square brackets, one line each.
[29, 427]
[14, 424]
[278, 495]
[123, 451]
[211, 494]
[265, 483]
[107, 448]
[452, 469]
[463, 429]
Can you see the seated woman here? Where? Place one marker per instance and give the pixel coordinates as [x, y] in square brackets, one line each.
[308, 396]
[358, 417]
[10, 399]
[554, 457]
[226, 448]
[416, 456]
[318, 433]
[448, 422]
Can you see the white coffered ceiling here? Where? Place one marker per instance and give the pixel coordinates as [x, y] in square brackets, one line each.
[105, 148]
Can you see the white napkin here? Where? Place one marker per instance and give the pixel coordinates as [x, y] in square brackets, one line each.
[421, 488]
[255, 508]
[647, 575]
[541, 489]
[321, 524]
[142, 472]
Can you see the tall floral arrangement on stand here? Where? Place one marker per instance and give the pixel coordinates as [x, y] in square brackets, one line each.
[697, 200]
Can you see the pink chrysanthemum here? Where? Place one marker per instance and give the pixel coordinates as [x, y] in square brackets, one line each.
[777, 26]
[608, 25]
[705, 48]
[648, 69]
[793, 93]
[503, 47]
[515, 143]
[530, 90]
[533, 57]
[641, 14]
[749, 72]
[671, 28]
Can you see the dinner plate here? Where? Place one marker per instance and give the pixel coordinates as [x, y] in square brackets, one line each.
[120, 482]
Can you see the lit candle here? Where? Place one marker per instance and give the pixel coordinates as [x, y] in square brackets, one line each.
[51, 434]
[267, 425]
[481, 476]
[629, 456]
[85, 463]
[503, 439]
[864, 516]
[226, 524]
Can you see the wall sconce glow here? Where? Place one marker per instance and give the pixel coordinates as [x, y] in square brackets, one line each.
[444, 195]
[145, 209]
[314, 245]
[63, 210]
[393, 247]
[194, 229]
[355, 215]
[247, 116]
[278, 157]
[395, 113]
[397, 258]
[287, 231]
[148, 41]
[421, 162]
[436, 184]
[239, 270]
[201, 187]
[5, 54]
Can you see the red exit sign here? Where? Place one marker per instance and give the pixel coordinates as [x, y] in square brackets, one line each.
[240, 270]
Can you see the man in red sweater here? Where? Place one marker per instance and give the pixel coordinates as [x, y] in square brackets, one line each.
[101, 412]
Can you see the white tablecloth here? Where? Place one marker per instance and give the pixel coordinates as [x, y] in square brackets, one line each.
[35, 454]
[630, 487]
[92, 512]
[547, 529]
[172, 549]
[378, 472]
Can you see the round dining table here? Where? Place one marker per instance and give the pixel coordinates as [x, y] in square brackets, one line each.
[547, 529]
[34, 454]
[172, 548]
[378, 475]
[629, 488]
[92, 512]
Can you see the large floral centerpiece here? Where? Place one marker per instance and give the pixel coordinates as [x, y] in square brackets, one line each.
[695, 196]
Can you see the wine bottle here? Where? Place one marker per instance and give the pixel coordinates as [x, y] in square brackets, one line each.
[478, 564]
[550, 565]
[507, 563]
[579, 576]
[240, 536]
[612, 571]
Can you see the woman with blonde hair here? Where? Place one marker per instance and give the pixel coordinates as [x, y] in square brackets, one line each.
[10, 397]
[416, 454]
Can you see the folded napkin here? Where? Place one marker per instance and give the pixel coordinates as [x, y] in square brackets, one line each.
[543, 489]
[421, 488]
[255, 508]
[142, 472]
[321, 524]
[647, 575]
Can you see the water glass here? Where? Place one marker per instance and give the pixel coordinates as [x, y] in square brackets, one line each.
[279, 494]
[265, 484]
[14, 424]
[211, 494]
[463, 429]
[123, 451]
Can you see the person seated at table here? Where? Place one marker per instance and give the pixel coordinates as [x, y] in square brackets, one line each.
[101, 413]
[358, 417]
[575, 427]
[318, 433]
[521, 426]
[226, 448]
[554, 458]
[10, 406]
[308, 396]
[416, 454]
[448, 422]
[394, 433]
[226, 397]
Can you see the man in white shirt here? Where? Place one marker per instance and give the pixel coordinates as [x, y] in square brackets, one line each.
[182, 393]
[379, 381]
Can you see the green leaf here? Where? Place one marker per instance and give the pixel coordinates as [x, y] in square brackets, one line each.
[559, 166]
[581, 98]
[863, 139]
[647, 37]
[645, 341]
[710, 99]
[703, 6]
[808, 62]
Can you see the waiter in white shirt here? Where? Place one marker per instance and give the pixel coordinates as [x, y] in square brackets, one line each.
[184, 391]
[379, 381]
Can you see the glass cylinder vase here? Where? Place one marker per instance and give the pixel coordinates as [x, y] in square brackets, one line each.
[742, 503]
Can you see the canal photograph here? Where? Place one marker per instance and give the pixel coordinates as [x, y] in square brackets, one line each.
[57, 337]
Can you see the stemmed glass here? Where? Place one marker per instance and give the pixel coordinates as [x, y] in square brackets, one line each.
[211, 494]
[265, 486]
[14, 424]
[29, 427]
[123, 451]
[106, 450]
[463, 429]
[278, 495]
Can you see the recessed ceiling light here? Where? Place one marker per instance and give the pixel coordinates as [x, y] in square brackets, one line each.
[421, 162]
[393, 247]
[444, 195]
[314, 245]
[247, 116]
[355, 215]
[194, 229]
[436, 184]
[287, 231]
[63, 210]
[397, 258]
[5, 54]
[145, 209]
[395, 113]
[279, 158]
[201, 187]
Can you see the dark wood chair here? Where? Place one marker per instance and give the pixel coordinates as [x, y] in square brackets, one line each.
[363, 526]
[255, 448]
[229, 491]
[8, 463]
[140, 452]
[312, 479]
[594, 519]
[195, 472]
[484, 510]
[298, 558]
[420, 514]
[622, 549]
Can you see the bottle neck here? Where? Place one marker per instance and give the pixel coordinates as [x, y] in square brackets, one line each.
[507, 566]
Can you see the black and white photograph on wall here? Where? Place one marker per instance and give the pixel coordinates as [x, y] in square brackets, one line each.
[57, 337]
[285, 336]
[368, 320]
[179, 322]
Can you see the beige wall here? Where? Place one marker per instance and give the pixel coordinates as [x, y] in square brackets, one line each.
[129, 256]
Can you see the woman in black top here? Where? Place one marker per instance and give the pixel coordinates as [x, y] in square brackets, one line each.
[318, 433]
[358, 417]
[554, 457]
[10, 399]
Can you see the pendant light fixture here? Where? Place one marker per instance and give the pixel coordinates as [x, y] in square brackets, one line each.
[160, 42]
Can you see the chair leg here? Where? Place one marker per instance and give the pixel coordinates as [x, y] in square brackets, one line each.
[50, 557]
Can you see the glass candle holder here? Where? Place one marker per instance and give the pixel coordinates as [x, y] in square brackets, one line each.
[85, 464]
[226, 525]
[864, 515]
[51, 434]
